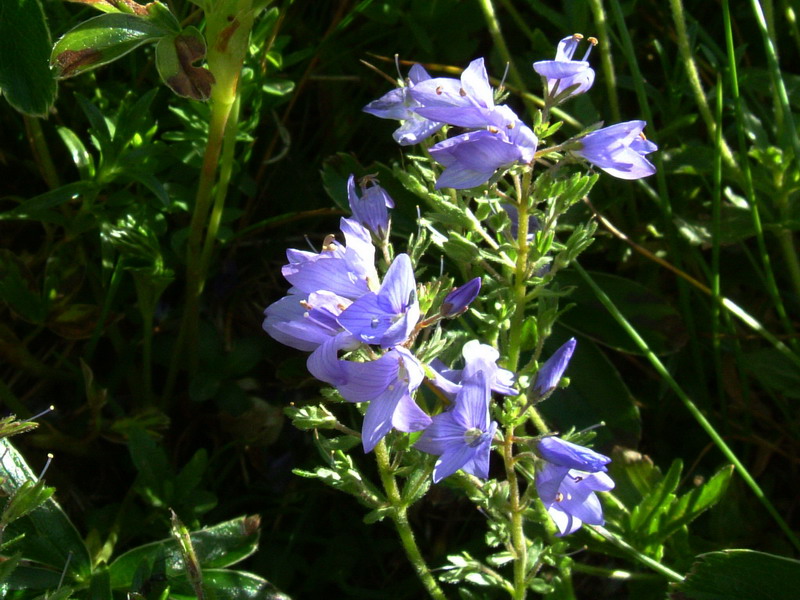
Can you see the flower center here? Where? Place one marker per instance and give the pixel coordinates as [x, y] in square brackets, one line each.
[473, 437]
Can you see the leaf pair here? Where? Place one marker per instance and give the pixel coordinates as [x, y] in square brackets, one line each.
[126, 26]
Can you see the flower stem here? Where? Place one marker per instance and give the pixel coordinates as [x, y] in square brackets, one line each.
[400, 517]
[518, 540]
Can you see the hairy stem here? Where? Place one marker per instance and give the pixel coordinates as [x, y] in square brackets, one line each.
[400, 517]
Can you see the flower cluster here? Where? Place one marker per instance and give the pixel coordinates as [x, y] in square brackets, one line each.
[495, 137]
[338, 304]
[361, 329]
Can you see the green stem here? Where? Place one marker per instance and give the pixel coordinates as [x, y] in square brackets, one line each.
[786, 240]
[225, 171]
[518, 540]
[41, 151]
[400, 517]
[645, 560]
[500, 43]
[752, 198]
[694, 80]
[605, 58]
[195, 278]
[690, 406]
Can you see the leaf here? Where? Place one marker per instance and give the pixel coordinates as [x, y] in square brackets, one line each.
[739, 575]
[219, 546]
[38, 205]
[99, 41]
[691, 504]
[230, 585]
[50, 537]
[644, 516]
[774, 371]
[25, 80]
[656, 321]
[175, 57]
[80, 156]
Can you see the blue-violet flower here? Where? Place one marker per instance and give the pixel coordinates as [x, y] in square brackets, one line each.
[372, 208]
[569, 496]
[550, 372]
[564, 72]
[388, 384]
[399, 104]
[388, 316]
[619, 150]
[458, 300]
[462, 436]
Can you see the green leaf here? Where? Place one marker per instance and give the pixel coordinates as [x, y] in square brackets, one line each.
[99, 41]
[224, 584]
[8, 565]
[80, 156]
[34, 208]
[218, 546]
[175, 57]
[656, 321]
[50, 537]
[25, 43]
[739, 575]
[689, 506]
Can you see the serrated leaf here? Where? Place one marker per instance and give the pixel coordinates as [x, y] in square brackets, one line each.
[99, 41]
[25, 79]
[739, 575]
[50, 537]
[692, 504]
[218, 546]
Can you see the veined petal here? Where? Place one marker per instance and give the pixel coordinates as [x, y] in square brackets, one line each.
[475, 82]
[472, 403]
[368, 380]
[565, 522]
[558, 69]
[408, 416]
[378, 419]
[442, 433]
[451, 461]
[567, 454]
[399, 288]
[324, 364]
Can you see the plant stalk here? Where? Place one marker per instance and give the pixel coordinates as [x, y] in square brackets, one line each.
[400, 518]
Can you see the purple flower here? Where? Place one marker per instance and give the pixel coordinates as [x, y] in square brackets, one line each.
[305, 322]
[569, 496]
[470, 159]
[619, 150]
[550, 372]
[371, 209]
[567, 482]
[347, 271]
[388, 384]
[388, 316]
[477, 357]
[571, 456]
[399, 104]
[462, 436]
[458, 300]
[468, 102]
[564, 73]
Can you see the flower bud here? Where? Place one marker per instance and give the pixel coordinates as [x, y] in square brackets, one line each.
[460, 298]
[551, 371]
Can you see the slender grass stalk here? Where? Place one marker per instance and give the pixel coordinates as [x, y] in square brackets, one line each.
[752, 199]
[656, 566]
[500, 43]
[716, 201]
[606, 60]
[726, 303]
[694, 81]
[689, 404]
[400, 518]
[113, 286]
[617, 574]
[664, 203]
[789, 130]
